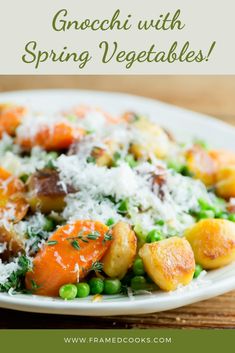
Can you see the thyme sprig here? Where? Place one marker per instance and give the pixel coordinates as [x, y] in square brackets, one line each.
[108, 236]
[84, 238]
[97, 266]
[75, 244]
[51, 242]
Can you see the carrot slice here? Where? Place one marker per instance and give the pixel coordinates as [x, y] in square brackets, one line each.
[10, 118]
[59, 137]
[13, 205]
[68, 256]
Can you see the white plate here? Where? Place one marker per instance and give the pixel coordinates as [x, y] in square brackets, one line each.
[185, 125]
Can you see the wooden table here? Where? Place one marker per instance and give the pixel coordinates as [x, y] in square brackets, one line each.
[213, 95]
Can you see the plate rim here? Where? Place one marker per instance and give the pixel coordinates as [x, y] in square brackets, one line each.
[146, 305]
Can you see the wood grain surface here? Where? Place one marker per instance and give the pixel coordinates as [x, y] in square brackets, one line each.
[213, 95]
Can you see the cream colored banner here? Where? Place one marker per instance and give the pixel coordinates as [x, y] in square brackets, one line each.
[117, 37]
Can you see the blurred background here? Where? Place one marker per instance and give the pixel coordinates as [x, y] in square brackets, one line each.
[213, 95]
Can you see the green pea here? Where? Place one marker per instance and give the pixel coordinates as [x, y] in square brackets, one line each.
[223, 215]
[49, 224]
[231, 217]
[123, 206]
[68, 291]
[198, 270]
[110, 222]
[160, 222]
[112, 286]
[153, 235]
[131, 161]
[203, 204]
[175, 165]
[138, 283]
[205, 214]
[83, 290]
[138, 267]
[96, 285]
[143, 283]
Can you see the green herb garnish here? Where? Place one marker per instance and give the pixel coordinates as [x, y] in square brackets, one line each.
[97, 266]
[52, 242]
[75, 244]
[24, 178]
[93, 236]
[107, 237]
[34, 285]
[84, 240]
[16, 279]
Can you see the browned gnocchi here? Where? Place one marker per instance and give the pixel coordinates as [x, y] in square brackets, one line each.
[120, 256]
[169, 262]
[213, 242]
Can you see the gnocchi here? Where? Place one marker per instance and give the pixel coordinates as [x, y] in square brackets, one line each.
[213, 242]
[120, 256]
[169, 262]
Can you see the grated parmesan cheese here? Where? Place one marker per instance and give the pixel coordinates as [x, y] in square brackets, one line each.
[96, 184]
[99, 189]
[7, 269]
